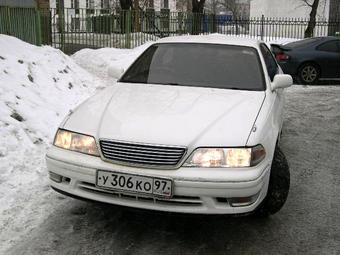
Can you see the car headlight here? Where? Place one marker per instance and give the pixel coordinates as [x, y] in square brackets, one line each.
[76, 142]
[226, 157]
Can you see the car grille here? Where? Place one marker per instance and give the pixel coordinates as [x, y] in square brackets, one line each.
[142, 154]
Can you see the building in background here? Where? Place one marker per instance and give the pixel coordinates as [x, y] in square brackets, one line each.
[287, 9]
[243, 9]
[84, 15]
[164, 4]
[328, 10]
[157, 5]
[239, 9]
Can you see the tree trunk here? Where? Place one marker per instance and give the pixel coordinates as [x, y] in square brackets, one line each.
[312, 19]
[125, 16]
[197, 16]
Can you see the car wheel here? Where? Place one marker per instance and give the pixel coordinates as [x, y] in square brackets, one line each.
[278, 186]
[309, 73]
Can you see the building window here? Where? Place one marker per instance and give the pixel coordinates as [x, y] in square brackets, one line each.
[150, 4]
[105, 4]
[75, 4]
[75, 24]
[90, 4]
[166, 4]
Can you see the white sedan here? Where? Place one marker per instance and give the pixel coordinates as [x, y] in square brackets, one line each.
[192, 126]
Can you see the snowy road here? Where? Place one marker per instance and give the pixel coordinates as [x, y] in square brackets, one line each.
[44, 222]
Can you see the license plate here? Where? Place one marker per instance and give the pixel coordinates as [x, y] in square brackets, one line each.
[134, 183]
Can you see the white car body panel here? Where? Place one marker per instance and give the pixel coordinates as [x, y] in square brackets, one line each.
[176, 116]
[146, 113]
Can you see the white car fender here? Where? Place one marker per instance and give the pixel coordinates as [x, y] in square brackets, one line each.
[268, 124]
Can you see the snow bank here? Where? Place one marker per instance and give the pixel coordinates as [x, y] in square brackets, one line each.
[100, 61]
[38, 86]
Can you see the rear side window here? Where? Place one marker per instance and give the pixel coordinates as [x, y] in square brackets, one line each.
[270, 61]
[332, 46]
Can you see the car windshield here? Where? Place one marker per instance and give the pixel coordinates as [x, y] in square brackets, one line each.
[198, 65]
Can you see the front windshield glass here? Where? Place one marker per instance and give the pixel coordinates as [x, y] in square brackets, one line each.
[198, 65]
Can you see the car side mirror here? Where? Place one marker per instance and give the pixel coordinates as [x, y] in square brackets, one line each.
[115, 72]
[282, 81]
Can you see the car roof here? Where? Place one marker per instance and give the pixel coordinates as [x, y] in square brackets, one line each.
[212, 39]
[309, 42]
[330, 38]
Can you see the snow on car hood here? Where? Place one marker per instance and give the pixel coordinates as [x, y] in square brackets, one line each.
[169, 115]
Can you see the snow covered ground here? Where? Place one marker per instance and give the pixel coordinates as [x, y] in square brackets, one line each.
[38, 86]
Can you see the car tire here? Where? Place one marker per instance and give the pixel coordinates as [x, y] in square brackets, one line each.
[278, 188]
[309, 74]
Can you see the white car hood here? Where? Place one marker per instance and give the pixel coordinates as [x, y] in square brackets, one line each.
[169, 115]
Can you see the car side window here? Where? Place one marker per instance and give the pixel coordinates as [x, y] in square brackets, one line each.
[271, 64]
[332, 46]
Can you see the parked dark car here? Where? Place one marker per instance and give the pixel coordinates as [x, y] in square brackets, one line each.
[310, 60]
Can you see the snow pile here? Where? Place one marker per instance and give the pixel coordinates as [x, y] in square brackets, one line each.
[100, 61]
[38, 87]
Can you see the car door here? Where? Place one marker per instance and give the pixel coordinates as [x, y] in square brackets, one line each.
[328, 57]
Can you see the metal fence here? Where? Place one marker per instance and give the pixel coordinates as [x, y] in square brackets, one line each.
[23, 23]
[73, 29]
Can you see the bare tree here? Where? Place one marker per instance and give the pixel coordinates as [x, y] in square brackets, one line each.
[313, 4]
[230, 5]
[197, 17]
[213, 6]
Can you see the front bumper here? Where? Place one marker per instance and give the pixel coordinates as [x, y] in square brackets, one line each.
[196, 190]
